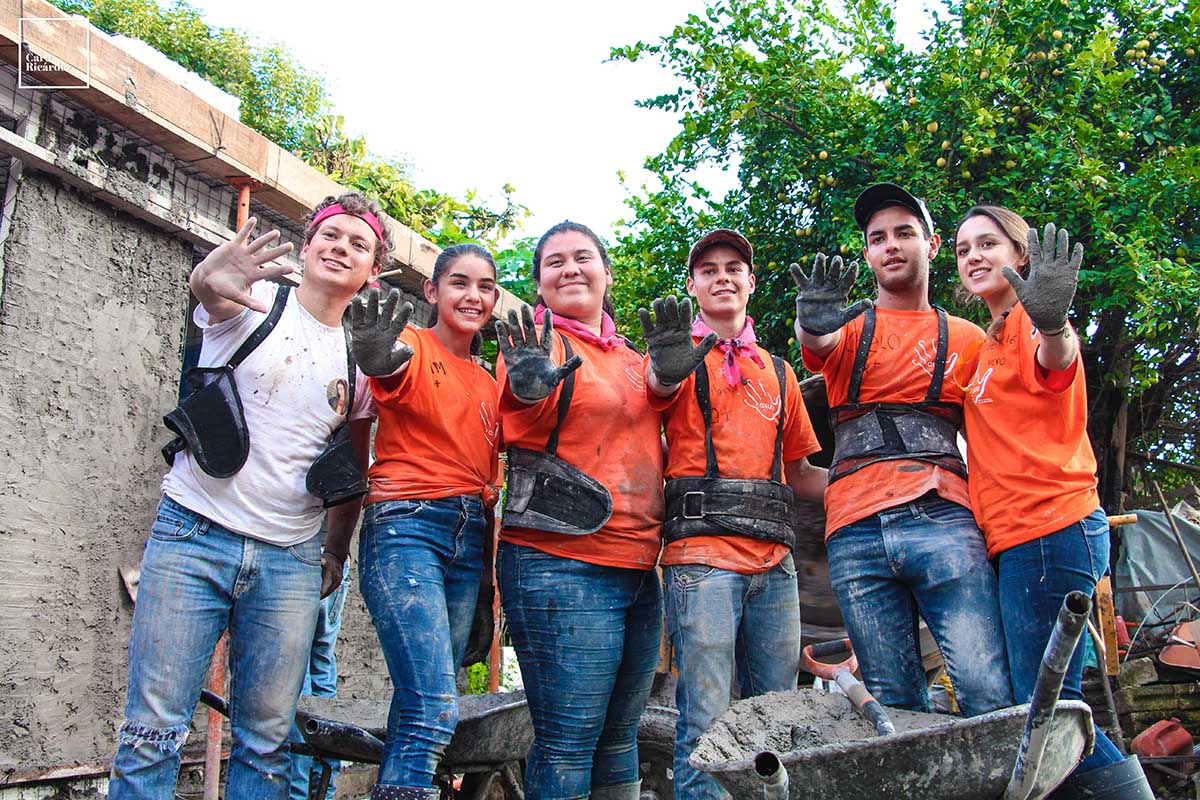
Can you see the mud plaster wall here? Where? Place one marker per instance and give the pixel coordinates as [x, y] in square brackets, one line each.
[91, 325]
[92, 312]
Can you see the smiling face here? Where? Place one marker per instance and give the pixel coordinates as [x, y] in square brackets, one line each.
[722, 282]
[982, 250]
[898, 252]
[572, 277]
[341, 254]
[464, 294]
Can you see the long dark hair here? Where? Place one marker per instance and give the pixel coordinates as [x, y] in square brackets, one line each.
[444, 261]
[568, 226]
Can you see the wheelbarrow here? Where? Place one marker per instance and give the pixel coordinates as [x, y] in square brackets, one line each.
[811, 744]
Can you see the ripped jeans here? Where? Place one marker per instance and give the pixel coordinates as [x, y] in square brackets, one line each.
[924, 557]
[419, 563]
[197, 579]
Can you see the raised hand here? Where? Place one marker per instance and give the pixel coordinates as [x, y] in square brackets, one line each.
[374, 332]
[229, 271]
[1047, 293]
[822, 297]
[669, 339]
[531, 373]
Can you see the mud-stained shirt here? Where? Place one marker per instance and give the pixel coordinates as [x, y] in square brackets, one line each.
[439, 427]
[1030, 464]
[899, 367]
[610, 433]
[745, 419]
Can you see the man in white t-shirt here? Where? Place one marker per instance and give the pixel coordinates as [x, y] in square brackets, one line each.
[242, 551]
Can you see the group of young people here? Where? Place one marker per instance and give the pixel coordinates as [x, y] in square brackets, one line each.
[686, 459]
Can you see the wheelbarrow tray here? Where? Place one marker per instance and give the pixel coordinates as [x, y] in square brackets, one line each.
[492, 728]
[930, 757]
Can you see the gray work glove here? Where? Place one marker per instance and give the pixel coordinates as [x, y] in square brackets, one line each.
[821, 300]
[669, 339]
[374, 332]
[531, 373]
[1047, 293]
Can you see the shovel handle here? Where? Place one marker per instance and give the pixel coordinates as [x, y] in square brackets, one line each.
[808, 657]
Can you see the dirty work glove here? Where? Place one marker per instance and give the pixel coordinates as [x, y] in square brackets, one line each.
[669, 339]
[1047, 293]
[821, 300]
[531, 373]
[483, 626]
[374, 332]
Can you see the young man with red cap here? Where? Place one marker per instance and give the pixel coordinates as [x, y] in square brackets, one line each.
[738, 437]
[235, 544]
[901, 538]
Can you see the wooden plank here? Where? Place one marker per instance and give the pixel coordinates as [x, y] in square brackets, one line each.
[1106, 614]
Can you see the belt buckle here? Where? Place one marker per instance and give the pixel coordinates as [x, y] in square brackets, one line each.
[698, 505]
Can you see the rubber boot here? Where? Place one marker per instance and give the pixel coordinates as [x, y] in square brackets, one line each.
[1124, 780]
[383, 791]
[622, 791]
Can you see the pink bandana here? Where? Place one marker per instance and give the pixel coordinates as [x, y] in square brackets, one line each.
[335, 209]
[740, 346]
[608, 339]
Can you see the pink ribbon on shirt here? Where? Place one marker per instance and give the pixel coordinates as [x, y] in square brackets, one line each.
[740, 346]
[608, 339]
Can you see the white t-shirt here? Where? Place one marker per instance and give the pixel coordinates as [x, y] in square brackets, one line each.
[293, 389]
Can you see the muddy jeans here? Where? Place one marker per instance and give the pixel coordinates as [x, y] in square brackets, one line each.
[717, 617]
[419, 563]
[198, 578]
[925, 557]
[1034, 579]
[587, 638]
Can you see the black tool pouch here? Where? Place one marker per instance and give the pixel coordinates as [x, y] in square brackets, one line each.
[210, 422]
[336, 476]
[209, 419]
[546, 493]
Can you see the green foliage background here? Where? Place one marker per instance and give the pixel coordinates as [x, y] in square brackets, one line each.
[1084, 114]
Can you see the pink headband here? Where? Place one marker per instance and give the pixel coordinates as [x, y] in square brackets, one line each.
[335, 209]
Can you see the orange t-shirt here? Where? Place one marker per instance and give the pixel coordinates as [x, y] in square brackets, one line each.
[745, 420]
[439, 430]
[611, 434]
[1032, 470]
[899, 368]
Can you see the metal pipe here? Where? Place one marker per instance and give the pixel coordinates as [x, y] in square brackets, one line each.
[220, 657]
[774, 777]
[1071, 619]
[1187, 557]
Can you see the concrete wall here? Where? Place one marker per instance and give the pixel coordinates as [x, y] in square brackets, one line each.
[92, 320]
[91, 325]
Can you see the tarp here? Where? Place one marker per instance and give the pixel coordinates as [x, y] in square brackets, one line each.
[1150, 556]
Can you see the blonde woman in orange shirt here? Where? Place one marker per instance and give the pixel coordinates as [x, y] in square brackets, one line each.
[1031, 470]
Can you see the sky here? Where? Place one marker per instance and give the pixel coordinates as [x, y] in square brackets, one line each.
[477, 94]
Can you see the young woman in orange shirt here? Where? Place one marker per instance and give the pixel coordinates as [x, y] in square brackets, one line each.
[1032, 473]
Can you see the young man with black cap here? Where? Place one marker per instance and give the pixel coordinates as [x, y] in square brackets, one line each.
[737, 440]
[901, 537]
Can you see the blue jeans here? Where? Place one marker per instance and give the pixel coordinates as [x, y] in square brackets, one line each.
[419, 563]
[925, 557]
[717, 618]
[587, 638]
[320, 681]
[197, 579]
[1034, 579]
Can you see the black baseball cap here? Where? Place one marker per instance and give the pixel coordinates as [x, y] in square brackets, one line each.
[882, 195]
[722, 236]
